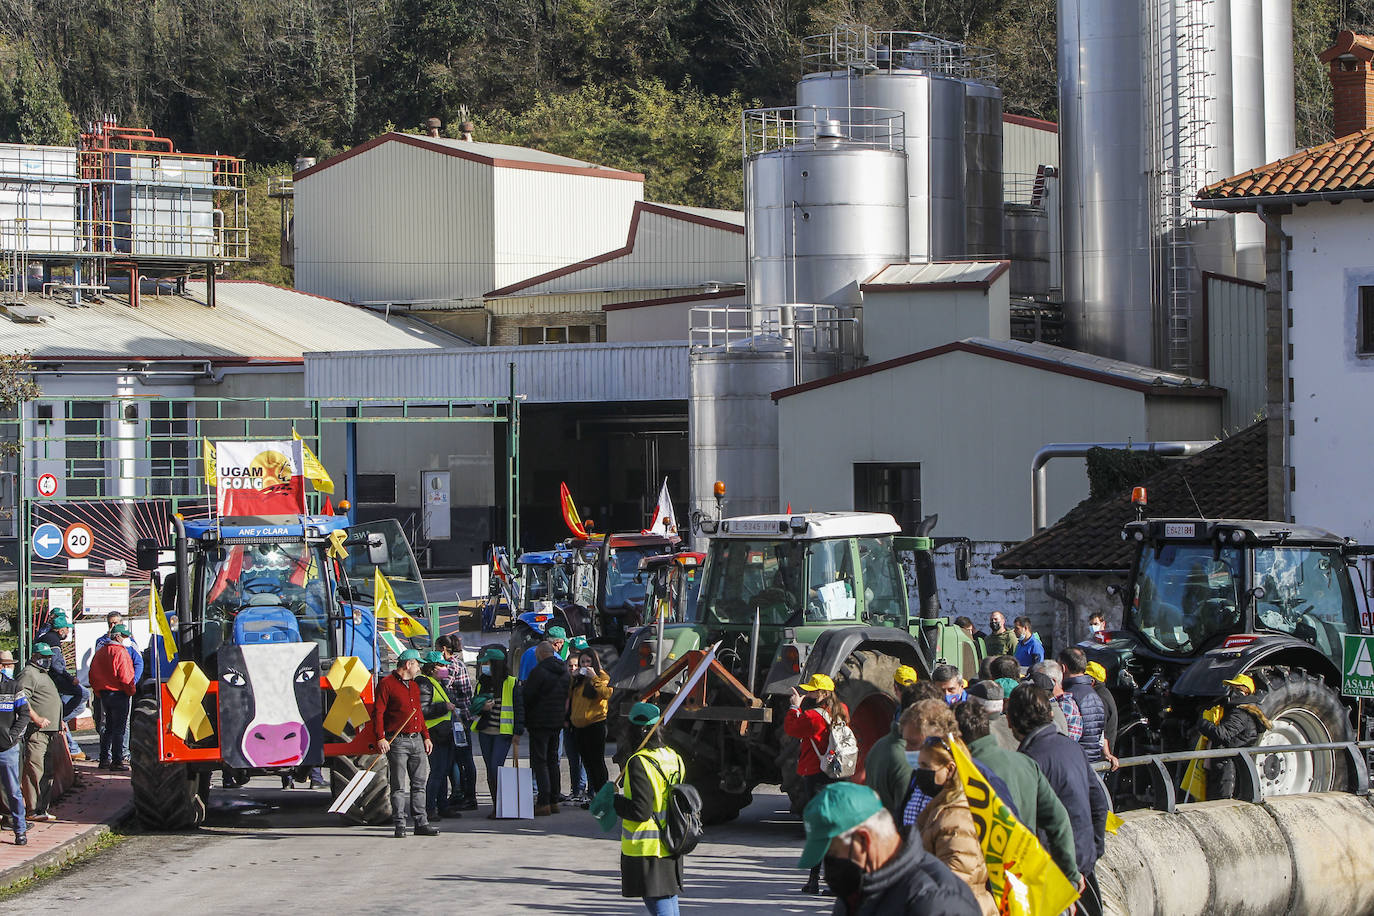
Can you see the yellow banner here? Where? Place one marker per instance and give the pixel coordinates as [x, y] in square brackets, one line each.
[349, 677]
[207, 457]
[1194, 783]
[188, 686]
[1021, 873]
[158, 616]
[386, 607]
[314, 471]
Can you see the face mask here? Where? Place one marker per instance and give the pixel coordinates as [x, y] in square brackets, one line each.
[911, 758]
[1098, 627]
[842, 876]
[925, 781]
[7, 671]
[41, 663]
[955, 699]
[486, 670]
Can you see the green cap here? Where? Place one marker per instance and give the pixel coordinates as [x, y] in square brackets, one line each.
[434, 658]
[836, 808]
[42, 648]
[408, 655]
[579, 643]
[492, 653]
[60, 620]
[120, 629]
[556, 633]
[644, 714]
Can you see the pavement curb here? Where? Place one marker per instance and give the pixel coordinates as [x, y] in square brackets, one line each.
[66, 852]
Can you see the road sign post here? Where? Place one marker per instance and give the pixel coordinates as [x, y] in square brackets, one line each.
[1357, 671]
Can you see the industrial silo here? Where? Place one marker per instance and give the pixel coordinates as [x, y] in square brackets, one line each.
[825, 202]
[953, 121]
[1028, 247]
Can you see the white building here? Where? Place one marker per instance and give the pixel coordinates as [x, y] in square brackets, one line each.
[1320, 305]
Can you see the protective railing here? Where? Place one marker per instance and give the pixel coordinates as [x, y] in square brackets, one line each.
[1165, 792]
[766, 129]
[814, 328]
[865, 48]
[96, 238]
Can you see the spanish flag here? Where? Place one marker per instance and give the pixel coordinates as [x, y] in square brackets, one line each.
[1023, 876]
[386, 607]
[570, 516]
[314, 471]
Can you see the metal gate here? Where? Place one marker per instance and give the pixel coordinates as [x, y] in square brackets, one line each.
[96, 473]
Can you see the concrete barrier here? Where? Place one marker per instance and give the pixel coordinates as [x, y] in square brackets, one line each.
[1306, 855]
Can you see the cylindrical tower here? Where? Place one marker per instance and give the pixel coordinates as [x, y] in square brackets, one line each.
[1279, 113]
[983, 221]
[1247, 114]
[825, 201]
[1106, 238]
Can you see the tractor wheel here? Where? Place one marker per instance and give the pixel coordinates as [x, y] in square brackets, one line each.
[717, 805]
[374, 805]
[864, 686]
[1303, 709]
[166, 795]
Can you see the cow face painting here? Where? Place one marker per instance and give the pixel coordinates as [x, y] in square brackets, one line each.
[271, 710]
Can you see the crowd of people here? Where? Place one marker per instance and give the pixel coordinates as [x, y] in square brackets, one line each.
[1032, 726]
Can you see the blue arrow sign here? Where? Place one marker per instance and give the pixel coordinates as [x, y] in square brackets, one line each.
[47, 541]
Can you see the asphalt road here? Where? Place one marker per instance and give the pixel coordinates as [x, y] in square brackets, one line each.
[267, 850]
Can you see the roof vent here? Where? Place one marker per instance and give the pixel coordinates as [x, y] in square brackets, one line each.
[829, 130]
[28, 314]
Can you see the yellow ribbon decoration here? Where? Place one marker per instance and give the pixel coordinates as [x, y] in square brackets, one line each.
[188, 686]
[336, 545]
[348, 676]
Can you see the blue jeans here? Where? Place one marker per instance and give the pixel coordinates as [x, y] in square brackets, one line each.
[495, 750]
[115, 708]
[10, 787]
[662, 906]
[576, 774]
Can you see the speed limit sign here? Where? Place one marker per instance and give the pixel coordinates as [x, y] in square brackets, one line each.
[77, 541]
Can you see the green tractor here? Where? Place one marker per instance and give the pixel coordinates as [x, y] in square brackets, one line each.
[1209, 599]
[784, 597]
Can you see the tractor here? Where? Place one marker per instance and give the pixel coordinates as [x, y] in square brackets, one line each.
[1209, 599]
[273, 658]
[784, 597]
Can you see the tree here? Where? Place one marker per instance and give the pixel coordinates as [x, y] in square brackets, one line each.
[32, 109]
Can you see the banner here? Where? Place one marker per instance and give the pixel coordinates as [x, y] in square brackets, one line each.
[314, 471]
[258, 478]
[664, 521]
[1194, 783]
[386, 607]
[1036, 886]
[570, 516]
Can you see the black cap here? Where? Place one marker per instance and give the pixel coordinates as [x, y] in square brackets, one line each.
[987, 690]
[1042, 680]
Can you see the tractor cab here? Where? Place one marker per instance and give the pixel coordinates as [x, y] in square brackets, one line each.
[673, 583]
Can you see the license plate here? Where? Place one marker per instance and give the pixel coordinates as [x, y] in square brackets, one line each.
[1180, 531]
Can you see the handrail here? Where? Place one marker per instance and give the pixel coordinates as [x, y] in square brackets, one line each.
[1247, 774]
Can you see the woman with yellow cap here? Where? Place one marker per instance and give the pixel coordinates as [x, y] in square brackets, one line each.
[814, 709]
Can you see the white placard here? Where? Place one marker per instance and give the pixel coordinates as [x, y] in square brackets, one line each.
[60, 601]
[481, 579]
[75, 564]
[102, 596]
[88, 631]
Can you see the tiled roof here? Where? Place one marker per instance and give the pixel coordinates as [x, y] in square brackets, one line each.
[1343, 167]
[1229, 480]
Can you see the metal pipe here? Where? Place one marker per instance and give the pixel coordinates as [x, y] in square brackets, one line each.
[1040, 478]
[186, 627]
[1285, 408]
[754, 649]
[658, 653]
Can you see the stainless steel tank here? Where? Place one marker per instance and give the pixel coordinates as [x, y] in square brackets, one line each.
[733, 421]
[1247, 120]
[1028, 246]
[38, 198]
[983, 232]
[825, 202]
[934, 108]
[1106, 239]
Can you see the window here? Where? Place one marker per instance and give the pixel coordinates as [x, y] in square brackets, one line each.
[891, 488]
[1364, 330]
[377, 488]
[169, 447]
[582, 333]
[85, 449]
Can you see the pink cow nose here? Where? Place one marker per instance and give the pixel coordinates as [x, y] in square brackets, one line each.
[276, 745]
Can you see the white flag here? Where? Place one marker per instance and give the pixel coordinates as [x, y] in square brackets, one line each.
[664, 521]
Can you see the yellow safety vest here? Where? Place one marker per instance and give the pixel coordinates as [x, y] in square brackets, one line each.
[440, 696]
[642, 839]
[507, 708]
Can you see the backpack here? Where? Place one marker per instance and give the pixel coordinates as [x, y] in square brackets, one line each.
[841, 757]
[681, 827]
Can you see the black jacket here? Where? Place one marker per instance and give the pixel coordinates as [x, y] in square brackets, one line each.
[1108, 703]
[14, 713]
[912, 883]
[1241, 724]
[643, 876]
[1065, 766]
[546, 695]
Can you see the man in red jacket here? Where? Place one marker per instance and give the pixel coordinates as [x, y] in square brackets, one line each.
[397, 712]
[113, 681]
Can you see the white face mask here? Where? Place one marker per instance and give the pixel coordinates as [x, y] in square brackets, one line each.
[486, 669]
[1098, 627]
[911, 757]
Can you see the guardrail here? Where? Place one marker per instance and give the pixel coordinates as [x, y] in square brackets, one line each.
[1165, 792]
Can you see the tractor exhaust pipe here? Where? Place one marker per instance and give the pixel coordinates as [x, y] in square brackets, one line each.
[185, 625]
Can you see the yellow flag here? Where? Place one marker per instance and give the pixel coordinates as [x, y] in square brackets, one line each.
[207, 455]
[158, 617]
[314, 471]
[1194, 782]
[386, 607]
[1036, 886]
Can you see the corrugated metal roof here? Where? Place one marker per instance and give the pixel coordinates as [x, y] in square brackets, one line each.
[938, 274]
[516, 153]
[734, 217]
[250, 321]
[1078, 360]
[566, 373]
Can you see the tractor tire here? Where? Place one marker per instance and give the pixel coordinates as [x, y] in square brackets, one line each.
[1304, 710]
[166, 795]
[717, 805]
[864, 685]
[373, 808]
